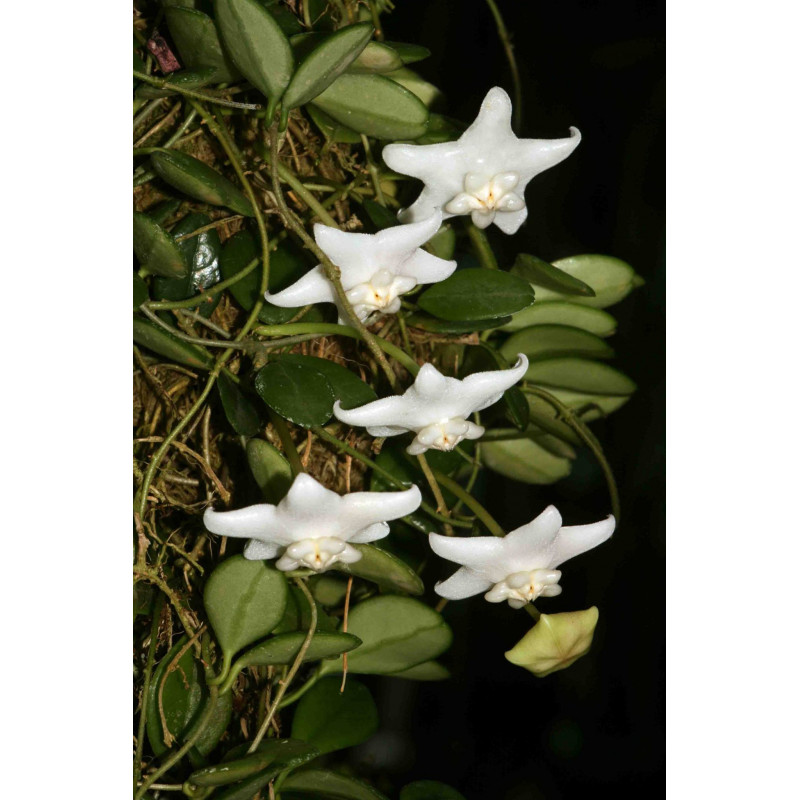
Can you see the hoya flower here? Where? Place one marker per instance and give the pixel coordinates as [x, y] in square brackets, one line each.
[484, 173]
[435, 407]
[520, 566]
[312, 526]
[376, 268]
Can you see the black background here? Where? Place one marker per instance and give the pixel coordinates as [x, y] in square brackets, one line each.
[496, 732]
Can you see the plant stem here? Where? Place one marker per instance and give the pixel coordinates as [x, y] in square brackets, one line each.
[282, 429]
[502, 32]
[482, 247]
[208, 98]
[295, 696]
[373, 171]
[480, 512]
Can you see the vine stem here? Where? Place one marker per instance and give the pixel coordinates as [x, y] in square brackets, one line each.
[332, 272]
[293, 671]
[480, 512]
[187, 746]
[587, 437]
[209, 98]
[432, 482]
[373, 171]
[482, 247]
[505, 39]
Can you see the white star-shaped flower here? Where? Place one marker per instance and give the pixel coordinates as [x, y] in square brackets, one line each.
[520, 566]
[435, 407]
[376, 268]
[484, 173]
[312, 526]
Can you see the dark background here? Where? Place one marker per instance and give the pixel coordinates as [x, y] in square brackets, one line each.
[496, 732]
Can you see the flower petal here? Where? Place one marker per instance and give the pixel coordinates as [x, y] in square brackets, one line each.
[464, 583]
[577, 539]
[313, 287]
[425, 267]
[482, 389]
[253, 522]
[537, 155]
[482, 554]
[371, 533]
[379, 416]
[256, 550]
[537, 536]
[493, 124]
[363, 509]
[307, 499]
[510, 221]
[354, 253]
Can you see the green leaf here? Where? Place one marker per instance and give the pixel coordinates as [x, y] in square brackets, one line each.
[331, 129]
[610, 278]
[297, 616]
[580, 375]
[161, 212]
[301, 394]
[149, 335]
[429, 790]
[270, 470]
[562, 312]
[256, 44]
[346, 385]
[441, 129]
[543, 274]
[198, 180]
[380, 216]
[387, 570]
[327, 590]
[408, 79]
[549, 341]
[241, 413]
[178, 698]
[332, 720]
[516, 407]
[270, 753]
[377, 57]
[156, 250]
[396, 633]
[140, 294]
[323, 784]
[375, 106]
[471, 294]
[427, 671]
[443, 326]
[198, 43]
[524, 460]
[443, 243]
[588, 406]
[283, 649]
[409, 53]
[244, 601]
[185, 79]
[326, 62]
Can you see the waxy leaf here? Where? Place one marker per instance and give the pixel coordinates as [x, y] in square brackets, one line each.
[140, 294]
[416, 84]
[580, 375]
[283, 649]
[301, 394]
[377, 57]
[332, 720]
[427, 671]
[555, 642]
[444, 326]
[156, 250]
[524, 460]
[610, 278]
[244, 601]
[562, 312]
[396, 633]
[297, 616]
[588, 406]
[270, 470]
[346, 385]
[326, 62]
[548, 341]
[387, 570]
[443, 243]
[197, 40]
[375, 106]
[542, 273]
[429, 790]
[241, 413]
[149, 335]
[409, 53]
[321, 784]
[331, 129]
[198, 180]
[470, 294]
[270, 753]
[256, 44]
[379, 215]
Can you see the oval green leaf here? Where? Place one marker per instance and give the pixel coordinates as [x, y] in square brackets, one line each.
[396, 633]
[244, 601]
[543, 274]
[580, 375]
[270, 470]
[588, 406]
[409, 53]
[470, 294]
[347, 386]
[301, 394]
[149, 335]
[524, 460]
[140, 294]
[241, 413]
[326, 62]
[375, 106]
[331, 129]
[156, 250]
[549, 341]
[322, 784]
[198, 43]
[377, 57]
[427, 671]
[562, 312]
[610, 278]
[416, 84]
[444, 326]
[331, 719]
[256, 44]
[387, 570]
[283, 649]
[198, 180]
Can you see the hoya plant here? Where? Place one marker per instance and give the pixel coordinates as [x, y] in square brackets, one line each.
[328, 356]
